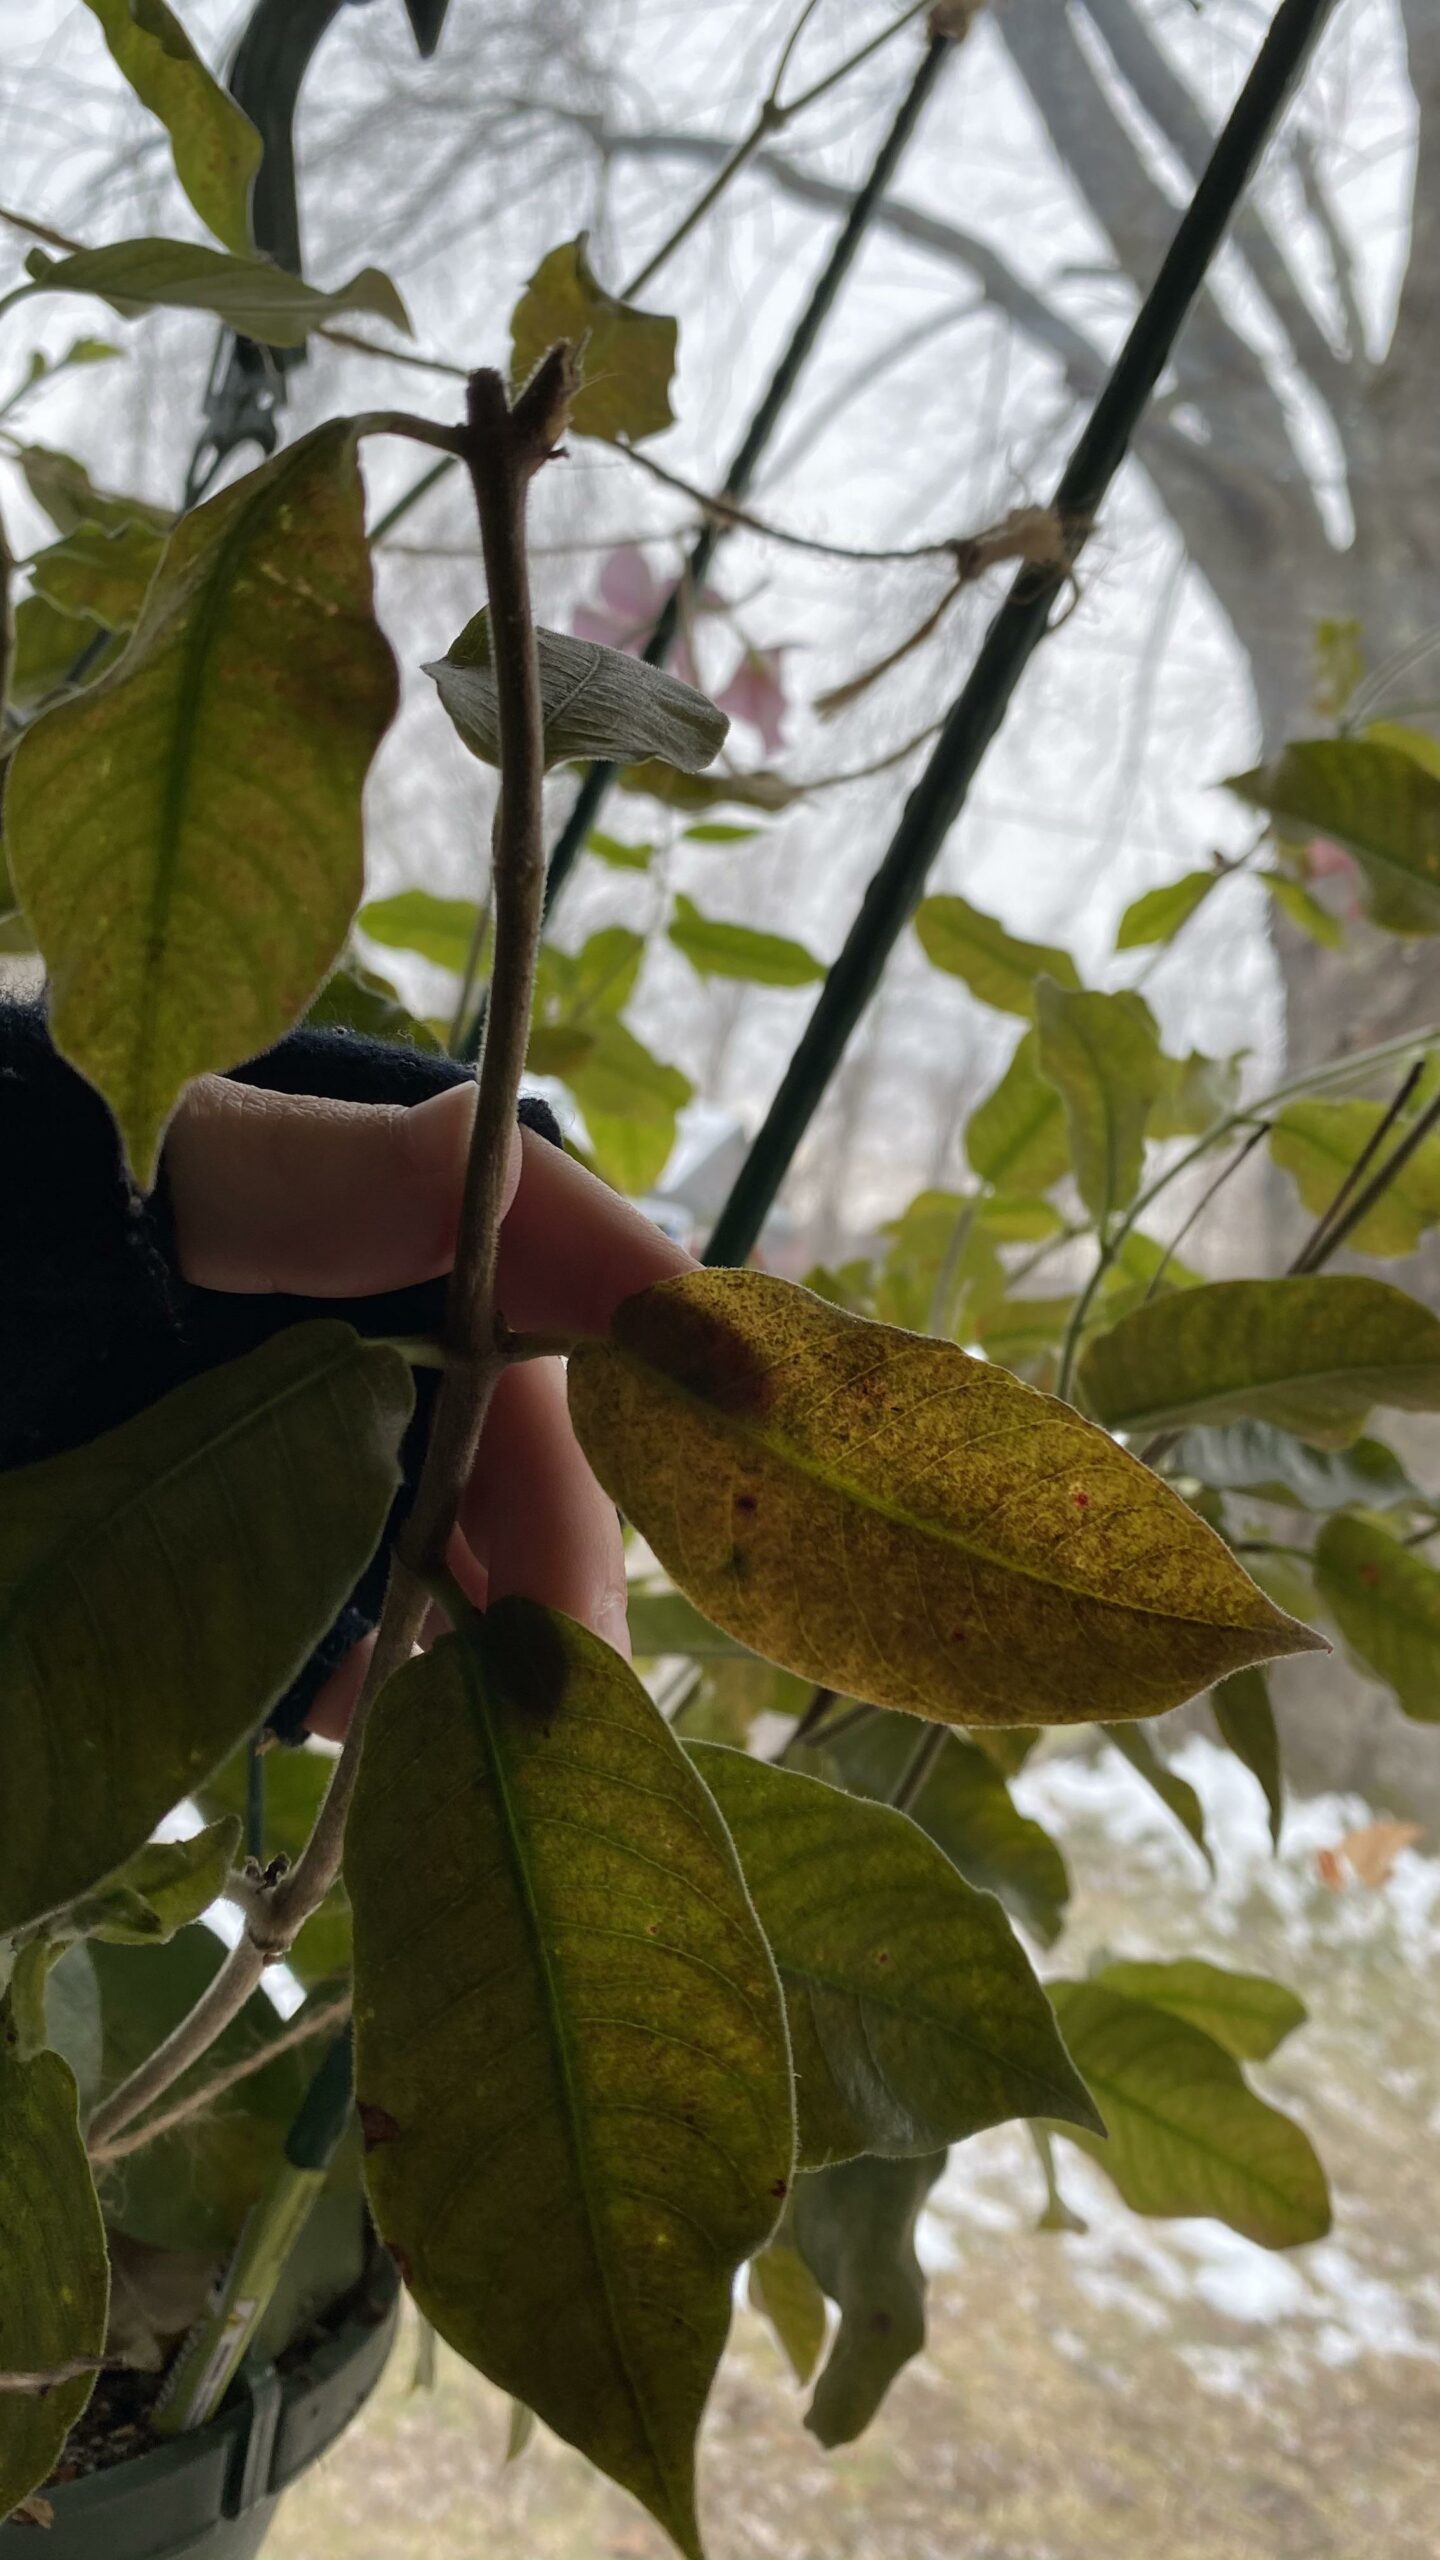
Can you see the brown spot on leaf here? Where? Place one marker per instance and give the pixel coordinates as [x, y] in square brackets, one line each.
[1369, 1574]
[957, 1635]
[377, 2125]
[781, 2187]
[1080, 1498]
[744, 1501]
[882, 1955]
[881, 2323]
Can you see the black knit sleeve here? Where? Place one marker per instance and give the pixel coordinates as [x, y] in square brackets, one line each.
[96, 1320]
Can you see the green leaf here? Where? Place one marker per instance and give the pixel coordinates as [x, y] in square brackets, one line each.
[129, 1575]
[664, 1622]
[1159, 914]
[1102, 1052]
[781, 2286]
[1310, 1354]
[62, 486]
[570, 2045]
[690, 790]
[165, 1886]
[1015, 1139]
[192, 2188]
[1186, 2136]
[1377, 802]
[1175, 1793]
[941, 1265]
[803, 1476]
[54, 2275]
[1418, 744]
[1245, 1720]
[855, 2229]
[1385, 1600]
[249, 295]
[1245, 2013]
[356, 999]
[619, 855]
[627, 356]
[440, 929]
[719, 949]
[630, 1101]
[572, 987]
[995, 965]
[99, 574]
[1273, 1466]
[1012, 1218]
[967, 1809]
[48, 646]
[73, 2024]
[189, 911]
[217, 149]
[1303, 909]
[1194, 1093]
[1024, 1334]
[596, 701]
[720, 832]
[915, 2019]
[1318, 1142]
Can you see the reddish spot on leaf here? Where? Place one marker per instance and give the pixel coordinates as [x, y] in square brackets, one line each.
[882, 1955]
[781, 2187]
[1369, 1574]
[1080, 1498]
[377, 2125]
[957, 1635]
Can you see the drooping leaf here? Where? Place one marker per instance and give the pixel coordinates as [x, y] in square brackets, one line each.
[915, 2019]
[1245, 1720]
[995, 965]
[719, 949]
[570, 2050]
[249, 295]
[855, 2229]
[189, 911]
[1318, 1142]
[664, 1622]
[596, 701]
[1015, 1139]
[216, 148]
[1186, 2135]
[1245, 2013]
[968, 1811]
[191, 2188]
[1380, 804]
[1269, 1465]
[1385, 1601]
[1102, 1052]
[355, 999]
[165, 1886]
[54, 2275]
[440, 929]
[1310, 1354]
[1158, 914]
[781, 2286]
[99, 575]
[1303, 909]
[902, 1523]
[1175, 1793]
[61, 485]
[129, 1578]
[627, 356]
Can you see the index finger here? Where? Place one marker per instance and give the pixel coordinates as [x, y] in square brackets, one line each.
[570, 1249]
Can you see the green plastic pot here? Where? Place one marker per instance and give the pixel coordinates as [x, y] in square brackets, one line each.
[215, 2492]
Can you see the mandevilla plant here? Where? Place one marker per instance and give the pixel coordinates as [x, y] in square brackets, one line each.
[635, 2008]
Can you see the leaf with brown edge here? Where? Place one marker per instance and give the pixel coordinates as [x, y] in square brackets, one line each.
[915, 2017]
[54, 2276]
[189, 909]
[627, 356]
[1311, 1353]
[899, 1522]
[566, 2008]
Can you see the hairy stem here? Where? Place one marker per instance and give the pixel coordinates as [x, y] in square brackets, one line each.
[318, 2020]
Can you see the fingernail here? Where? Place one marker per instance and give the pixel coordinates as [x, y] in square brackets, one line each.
[612, 1621]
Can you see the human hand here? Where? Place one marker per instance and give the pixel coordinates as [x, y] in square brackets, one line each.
[319, 1198]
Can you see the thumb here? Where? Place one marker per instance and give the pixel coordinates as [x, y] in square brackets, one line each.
[313, 1197]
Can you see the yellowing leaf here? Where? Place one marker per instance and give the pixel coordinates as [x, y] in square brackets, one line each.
[1186, 2135]
[569, 2042]
[251, 297]
[1380, 804]
[1310, 1353]
[1385, 1601]
[1016, 1138]
[1103, 1054]
[915, 2019]
[995, 965]
[185, 837]
[1318, 1142]
[54, 2277]
[900, 1522]
[217, 149]
[628, 355]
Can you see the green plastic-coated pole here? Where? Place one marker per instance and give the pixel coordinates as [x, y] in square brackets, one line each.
[941, 792]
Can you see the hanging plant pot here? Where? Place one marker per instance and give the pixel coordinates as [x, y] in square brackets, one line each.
[212, 2495]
